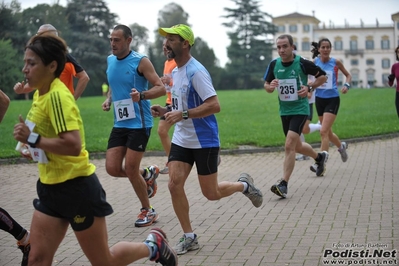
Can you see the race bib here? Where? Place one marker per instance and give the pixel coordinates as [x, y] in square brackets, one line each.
[124, 110]
[287, 90]
[328, 84]
[177, 98]
[38, 155]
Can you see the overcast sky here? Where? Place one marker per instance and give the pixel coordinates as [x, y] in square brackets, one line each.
[205, 15]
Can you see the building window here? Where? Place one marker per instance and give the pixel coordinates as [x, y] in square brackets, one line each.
[281, 28]
[370, 79]
[369, 45]
[355, 79]
[305, 46]
[385, 44]
[338, 45]
[385, 80]
[340, 80]
[370, 62]
[385, 63]
[306, 28]
[354, 62]
[353, 45]
[293, 28]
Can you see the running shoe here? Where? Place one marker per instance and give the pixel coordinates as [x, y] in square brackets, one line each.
[321, 165]
[186, 244]
[342, 151]
[25, 253]
[161, 251]
[151, 174]
[280, 188]
[146, 217]
[301, 157]
[313, 167]
[254, 194]
[164, 171]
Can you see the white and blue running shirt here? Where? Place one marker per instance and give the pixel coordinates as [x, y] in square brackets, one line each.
[192, 85]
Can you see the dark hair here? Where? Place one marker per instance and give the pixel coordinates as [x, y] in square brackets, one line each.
[294, 46]
[289, 37]
[127, 32]
[49, 48]
[396, 53]
[316, 46]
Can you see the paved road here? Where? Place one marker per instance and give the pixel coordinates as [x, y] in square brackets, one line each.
[355, 204]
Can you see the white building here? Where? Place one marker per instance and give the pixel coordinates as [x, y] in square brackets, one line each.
[367, 51]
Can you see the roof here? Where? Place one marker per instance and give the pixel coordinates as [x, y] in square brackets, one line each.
[296, 15]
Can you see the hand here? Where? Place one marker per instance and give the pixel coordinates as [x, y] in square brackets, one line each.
[166, 79]
[344, 89]
[21, 131]
[157, 110]
[19, 87]
[25, 152]
[303, 92]
[274, 84]
[135, 95]
[106, 105]
[173, 117]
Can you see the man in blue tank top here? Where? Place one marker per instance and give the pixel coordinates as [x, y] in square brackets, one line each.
[128, 75]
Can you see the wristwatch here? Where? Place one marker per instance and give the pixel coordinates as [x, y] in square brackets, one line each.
[310, 88]
[33, 139]
[142, 95]
[184, 114]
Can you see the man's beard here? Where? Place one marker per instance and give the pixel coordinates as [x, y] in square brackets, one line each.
[171, 54]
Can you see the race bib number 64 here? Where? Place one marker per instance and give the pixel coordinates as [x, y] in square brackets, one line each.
[124, 110]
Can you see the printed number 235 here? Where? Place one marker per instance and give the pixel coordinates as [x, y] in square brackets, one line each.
[287, 89]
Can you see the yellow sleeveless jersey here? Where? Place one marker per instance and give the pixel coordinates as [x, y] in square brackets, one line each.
[53, 113]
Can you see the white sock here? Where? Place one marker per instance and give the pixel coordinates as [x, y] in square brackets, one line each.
[245, 186]
[190, 235]
[314, 127]
[302, 137]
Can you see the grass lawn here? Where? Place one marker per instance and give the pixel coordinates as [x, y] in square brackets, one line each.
[247, 117]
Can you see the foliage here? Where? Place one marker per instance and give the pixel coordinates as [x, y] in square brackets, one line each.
[10, 67]
[90, 22]
[140, 37]
[206, 56]
[247, 117]
[169, 15]
[251, 43]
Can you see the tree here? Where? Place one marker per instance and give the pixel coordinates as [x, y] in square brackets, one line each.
[206, 56]
[169, 15]
[12, 28]
[251, 43]
[90, 24]
[140, 37]
[10, 67]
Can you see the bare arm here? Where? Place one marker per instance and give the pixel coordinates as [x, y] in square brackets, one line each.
[68, 143]
[270, 87]
[347, 75]
[4, 103]
[320, 80]
[108, 102]
[208, 107]
[83, 79]
[22, 87]
[149, 73]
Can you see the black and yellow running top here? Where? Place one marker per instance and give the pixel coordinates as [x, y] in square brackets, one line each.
[53, 113]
